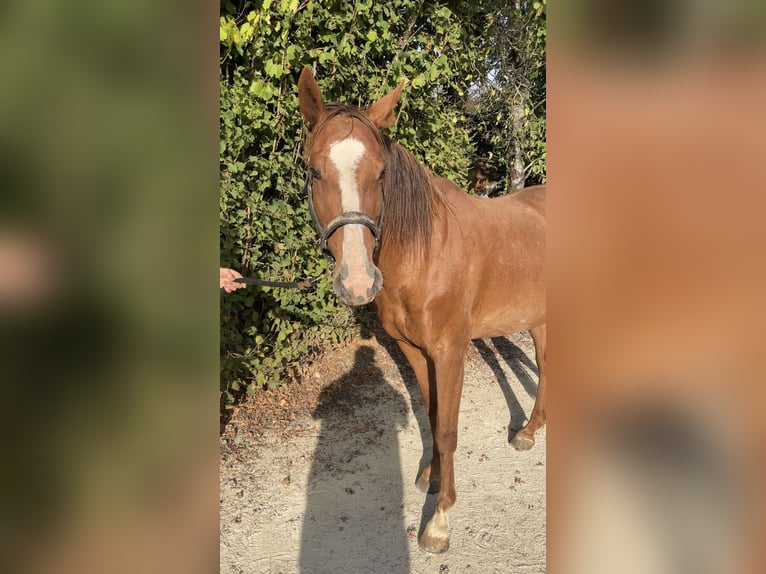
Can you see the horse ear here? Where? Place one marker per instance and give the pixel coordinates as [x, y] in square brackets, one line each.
[382, 112]
[310, 98]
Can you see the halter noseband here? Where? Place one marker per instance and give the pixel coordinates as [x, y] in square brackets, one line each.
[345, 218]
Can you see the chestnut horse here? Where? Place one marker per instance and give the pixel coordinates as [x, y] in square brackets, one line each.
[441, 266]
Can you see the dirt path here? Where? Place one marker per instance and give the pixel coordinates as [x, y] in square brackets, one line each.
[331, 486]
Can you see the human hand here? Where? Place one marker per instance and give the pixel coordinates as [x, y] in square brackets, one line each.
[28, 269]
[228, 282]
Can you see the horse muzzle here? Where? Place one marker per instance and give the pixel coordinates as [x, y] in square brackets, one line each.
[358, 287]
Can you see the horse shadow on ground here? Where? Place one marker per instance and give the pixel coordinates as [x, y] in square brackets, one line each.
[354, 519]
[518, 361]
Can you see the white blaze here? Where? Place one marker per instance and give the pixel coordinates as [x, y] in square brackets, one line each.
[345, 155]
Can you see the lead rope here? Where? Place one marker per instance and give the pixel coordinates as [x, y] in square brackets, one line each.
[303, 285]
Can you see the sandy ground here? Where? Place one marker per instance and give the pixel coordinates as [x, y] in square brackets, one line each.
[330, 487]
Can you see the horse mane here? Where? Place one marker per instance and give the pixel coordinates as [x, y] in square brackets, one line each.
[409, 196]
[408, 191]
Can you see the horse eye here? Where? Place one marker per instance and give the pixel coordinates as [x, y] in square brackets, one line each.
[382, 175]
[315, 173]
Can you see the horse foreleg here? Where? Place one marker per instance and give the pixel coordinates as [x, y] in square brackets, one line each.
[525, 438]
[448, 369]
[428, 480]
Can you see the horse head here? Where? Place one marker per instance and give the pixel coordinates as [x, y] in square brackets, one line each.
[346, 158]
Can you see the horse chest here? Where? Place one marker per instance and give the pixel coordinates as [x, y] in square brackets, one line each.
[400, 317]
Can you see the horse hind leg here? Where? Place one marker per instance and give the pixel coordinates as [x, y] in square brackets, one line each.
[429, 479]
[524, 439]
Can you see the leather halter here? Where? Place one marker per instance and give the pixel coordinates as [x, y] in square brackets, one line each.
[345, 218]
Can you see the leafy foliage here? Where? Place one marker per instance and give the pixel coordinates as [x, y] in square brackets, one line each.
[506, 105]
[359, 52]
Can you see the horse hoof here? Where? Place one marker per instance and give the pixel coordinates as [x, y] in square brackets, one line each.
[433, 545]
[435, 537]
[521, 442]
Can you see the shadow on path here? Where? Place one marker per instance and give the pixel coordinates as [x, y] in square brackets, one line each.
[517, 360]
[351, 525]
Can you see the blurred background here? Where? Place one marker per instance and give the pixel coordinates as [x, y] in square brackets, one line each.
[108, 224]
[656, 426]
